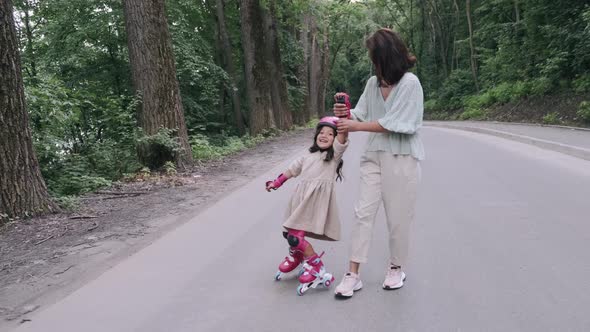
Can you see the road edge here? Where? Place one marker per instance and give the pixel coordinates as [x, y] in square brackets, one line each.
[571, 150]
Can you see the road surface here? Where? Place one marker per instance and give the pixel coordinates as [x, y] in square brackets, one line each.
[500, 243]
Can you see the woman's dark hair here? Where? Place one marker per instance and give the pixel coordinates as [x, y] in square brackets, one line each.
[389, 55]
[329, 151]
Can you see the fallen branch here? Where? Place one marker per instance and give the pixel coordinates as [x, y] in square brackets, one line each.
[38, 243]
[64, 233]
[83, 217]
[64, 271]
[121, 192]
[121, 196]
[93, 227]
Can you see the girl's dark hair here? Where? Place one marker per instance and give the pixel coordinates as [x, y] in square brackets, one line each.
[329, 151]
[389, 55]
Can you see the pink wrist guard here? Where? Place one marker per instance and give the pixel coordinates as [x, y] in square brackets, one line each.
[280, 180]
[277, 182]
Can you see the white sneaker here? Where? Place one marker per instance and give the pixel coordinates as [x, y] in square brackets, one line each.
[395, 278]
[349, 284]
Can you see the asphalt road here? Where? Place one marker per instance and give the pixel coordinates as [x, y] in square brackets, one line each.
[500, 243]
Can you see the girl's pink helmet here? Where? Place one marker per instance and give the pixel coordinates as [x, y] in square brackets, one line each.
[330, 121]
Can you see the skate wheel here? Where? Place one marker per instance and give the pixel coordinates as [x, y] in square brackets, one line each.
[327, 283]
[301, 289]
[278, 276]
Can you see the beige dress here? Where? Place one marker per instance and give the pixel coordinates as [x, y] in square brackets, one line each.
[313, 205]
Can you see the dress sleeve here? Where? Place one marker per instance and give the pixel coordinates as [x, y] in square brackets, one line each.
[407, 110]
[339, 148]
[296, 166]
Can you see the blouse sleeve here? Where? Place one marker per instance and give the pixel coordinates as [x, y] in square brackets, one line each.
[360, 111]
[296, 166]
[407, 110]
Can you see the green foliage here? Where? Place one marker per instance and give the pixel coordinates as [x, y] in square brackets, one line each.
[219, 146]
[582, 83]
[67, 203]
[472, 114]
[551, 118]
[456, 86]
[584, 111]
[169, 168]
[155, 150]
[540, 86]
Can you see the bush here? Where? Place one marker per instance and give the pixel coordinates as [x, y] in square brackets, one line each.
[456, 86]
[582, 84]
[584, 111]
[551, 118]
[503, 93]
[472, 114]
[219, 146]
[540, 86]
[156, 150]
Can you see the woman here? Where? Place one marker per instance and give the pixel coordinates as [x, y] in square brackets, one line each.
[391, 110]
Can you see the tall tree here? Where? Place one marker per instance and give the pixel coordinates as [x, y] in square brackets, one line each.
[256, 66]
[154, 73]
[229, 66]
[278, 92]
[22, 189]
[473, 60]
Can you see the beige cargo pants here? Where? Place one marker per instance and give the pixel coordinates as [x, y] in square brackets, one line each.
[393, 180]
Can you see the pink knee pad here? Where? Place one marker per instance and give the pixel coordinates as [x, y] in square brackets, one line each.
[297, 240]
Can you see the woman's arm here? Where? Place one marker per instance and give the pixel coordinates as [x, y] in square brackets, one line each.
[352, 125]
[407, 109]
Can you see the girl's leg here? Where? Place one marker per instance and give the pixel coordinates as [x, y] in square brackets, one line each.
[308, 252]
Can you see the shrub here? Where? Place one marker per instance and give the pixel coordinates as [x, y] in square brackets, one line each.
[584, 111]
[582, 84]
[472, 114]
[551, 118]
[156, 150]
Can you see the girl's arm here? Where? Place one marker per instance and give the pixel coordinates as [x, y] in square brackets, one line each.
[278, 182]
[292, 171]
[342, 136]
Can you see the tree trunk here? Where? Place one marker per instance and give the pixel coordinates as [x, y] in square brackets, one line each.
[154, 72]
[255, 66]
[303, 115]
[315, 69]
[325, 77]
[29, 34]
[472, 48]
[278, 92]
[229, 67]
[22, 189]
[516, 11]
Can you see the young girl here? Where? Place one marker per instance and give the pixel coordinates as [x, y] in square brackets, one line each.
[312, 210]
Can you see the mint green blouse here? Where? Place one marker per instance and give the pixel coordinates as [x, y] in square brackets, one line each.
[401, 113]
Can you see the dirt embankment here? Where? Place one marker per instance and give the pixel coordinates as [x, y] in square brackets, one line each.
[533, 110]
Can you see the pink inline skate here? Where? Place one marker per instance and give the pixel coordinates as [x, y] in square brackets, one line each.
[291, 262]
[314, 274]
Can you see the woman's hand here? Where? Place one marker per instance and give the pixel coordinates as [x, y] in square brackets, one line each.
[345, 125]
[341, 110]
